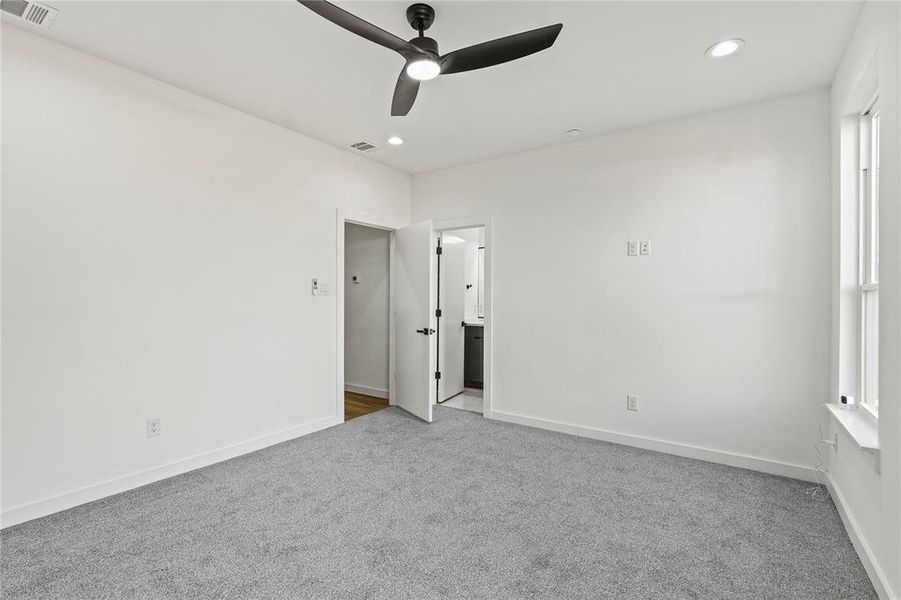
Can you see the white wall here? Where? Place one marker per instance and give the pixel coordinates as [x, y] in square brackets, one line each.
[870, 501]
[157, 254]
[723, 332]
[366, 255]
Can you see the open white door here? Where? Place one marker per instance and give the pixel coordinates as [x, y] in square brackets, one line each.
[452, 293]
[414, 319]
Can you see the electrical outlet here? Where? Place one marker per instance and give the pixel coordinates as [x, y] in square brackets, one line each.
[644, 248]
[632, 402]
[632, 248]
[153, 427]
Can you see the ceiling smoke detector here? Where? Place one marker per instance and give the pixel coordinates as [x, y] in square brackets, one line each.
[574, 132]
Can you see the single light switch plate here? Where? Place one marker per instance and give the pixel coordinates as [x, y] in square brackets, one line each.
[632, 248]
[644, 248]
[632, 402]
[154, 428]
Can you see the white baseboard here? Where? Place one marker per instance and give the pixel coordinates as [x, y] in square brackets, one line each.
[877, 577]
[366, 391]
[42, 508]
[732, 459]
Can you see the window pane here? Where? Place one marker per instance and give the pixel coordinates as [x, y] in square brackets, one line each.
[870, 375]
[874, 195]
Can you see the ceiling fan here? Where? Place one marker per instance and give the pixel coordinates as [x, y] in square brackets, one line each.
[421, 53]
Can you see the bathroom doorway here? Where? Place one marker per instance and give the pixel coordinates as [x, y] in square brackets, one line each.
[461, 306]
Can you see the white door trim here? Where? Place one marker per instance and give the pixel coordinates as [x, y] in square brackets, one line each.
[377, 222]
[485, 221]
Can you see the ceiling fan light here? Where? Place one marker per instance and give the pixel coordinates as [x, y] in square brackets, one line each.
[423, 69]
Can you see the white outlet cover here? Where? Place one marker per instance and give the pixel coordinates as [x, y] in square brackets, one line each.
[154, 427]
[644, 248]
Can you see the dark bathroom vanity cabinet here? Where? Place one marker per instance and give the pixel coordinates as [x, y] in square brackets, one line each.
[473, 351]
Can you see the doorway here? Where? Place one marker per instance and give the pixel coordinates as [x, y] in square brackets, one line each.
[413, 313]
[461, 303]
[412, 360]
[367, 296]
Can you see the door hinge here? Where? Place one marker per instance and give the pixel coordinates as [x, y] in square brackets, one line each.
[438, 250]
[437, 374]
[438, 312]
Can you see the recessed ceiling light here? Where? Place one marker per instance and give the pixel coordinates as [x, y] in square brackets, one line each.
[395, 140]
[423, 69]
[574, 132]
[725, 47]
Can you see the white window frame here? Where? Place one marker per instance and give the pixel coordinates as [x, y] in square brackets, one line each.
[868, 271]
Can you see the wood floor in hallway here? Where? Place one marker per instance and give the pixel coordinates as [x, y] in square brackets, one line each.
[357, 405]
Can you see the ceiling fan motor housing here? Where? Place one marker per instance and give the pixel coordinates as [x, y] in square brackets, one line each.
[426, 43]
[420, 16]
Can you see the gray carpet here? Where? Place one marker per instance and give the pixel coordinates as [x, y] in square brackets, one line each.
[388, 507]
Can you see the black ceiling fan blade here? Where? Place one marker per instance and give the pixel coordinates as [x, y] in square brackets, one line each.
[404, 94]
[501, 50]
[364, 29]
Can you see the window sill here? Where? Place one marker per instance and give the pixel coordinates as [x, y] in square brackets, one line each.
[862, 428]
[869, 411]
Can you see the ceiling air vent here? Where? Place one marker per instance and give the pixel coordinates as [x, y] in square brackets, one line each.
[32, 12]
[364, 146]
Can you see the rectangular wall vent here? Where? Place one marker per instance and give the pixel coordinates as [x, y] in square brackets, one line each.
[32, 12]
[364, 146]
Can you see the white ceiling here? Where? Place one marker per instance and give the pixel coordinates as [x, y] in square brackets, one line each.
[615, 65]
